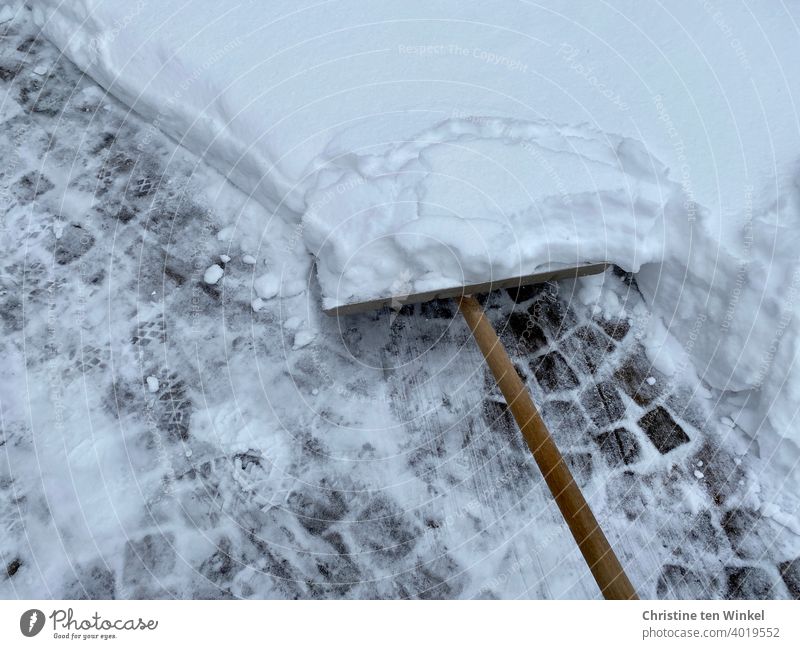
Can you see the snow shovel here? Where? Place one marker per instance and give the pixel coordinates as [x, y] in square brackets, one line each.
[596, 550]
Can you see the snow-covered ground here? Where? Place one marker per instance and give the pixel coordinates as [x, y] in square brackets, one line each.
[423, 144]
[178, 419]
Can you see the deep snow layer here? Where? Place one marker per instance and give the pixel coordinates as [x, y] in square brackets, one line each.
[475, 199]
[270, 93]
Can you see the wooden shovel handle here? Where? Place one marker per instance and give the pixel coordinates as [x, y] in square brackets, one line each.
[606, 568]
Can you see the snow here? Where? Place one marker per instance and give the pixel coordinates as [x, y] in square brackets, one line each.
[474, 200]
[431, 144]
[152, 384]
[267, 286]
[213, 274]
[6, 14]
[293, 323]
[316, 63]
[303, 338]
[249, 260]
[404, 427]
